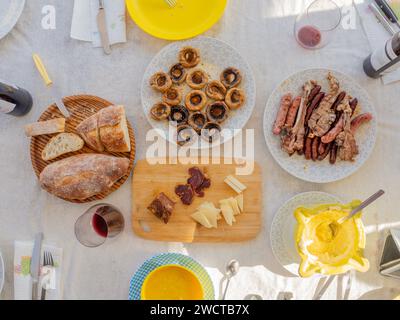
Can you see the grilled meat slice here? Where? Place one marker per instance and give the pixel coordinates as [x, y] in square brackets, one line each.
[162, 207]
[294, 140]
[323, 117]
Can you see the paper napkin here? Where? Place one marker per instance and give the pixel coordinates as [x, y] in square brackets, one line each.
[22, 278]
[376, 34]
[84, 23]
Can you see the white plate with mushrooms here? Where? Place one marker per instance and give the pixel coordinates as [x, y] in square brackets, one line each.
[320, 170]
[179, 86]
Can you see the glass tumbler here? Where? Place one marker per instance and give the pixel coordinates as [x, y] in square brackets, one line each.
[316, 26]
[97, 224]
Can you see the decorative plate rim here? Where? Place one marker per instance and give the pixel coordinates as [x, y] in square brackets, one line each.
[274, 223]
[207, 278]
[18, 13]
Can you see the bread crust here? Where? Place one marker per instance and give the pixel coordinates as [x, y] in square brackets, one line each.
[89, 131]
[106, 130]
[82, 176]
[112, 125]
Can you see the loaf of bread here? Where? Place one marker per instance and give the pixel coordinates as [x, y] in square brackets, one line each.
[45, 127]
[106, 130]
[61, 144]
[88, 129]
[82, 176]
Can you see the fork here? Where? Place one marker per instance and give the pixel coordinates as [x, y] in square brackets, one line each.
[171, 3]
[47, 261]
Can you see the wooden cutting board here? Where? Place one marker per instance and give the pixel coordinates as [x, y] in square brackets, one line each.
[149, 180]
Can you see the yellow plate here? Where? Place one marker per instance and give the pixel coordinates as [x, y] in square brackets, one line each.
[172, 282]
[188, 19]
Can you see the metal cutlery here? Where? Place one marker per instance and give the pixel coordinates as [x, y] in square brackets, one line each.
[364, 204]
[47, 262]
[102, 25]
[381, 17]
[388, 11]
[318, 295]
[232, 268]
[49, 83]
[171, 3]
[35, 264]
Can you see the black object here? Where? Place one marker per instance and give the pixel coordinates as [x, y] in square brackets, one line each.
[384, 59]
[14, 100]
[388, 11]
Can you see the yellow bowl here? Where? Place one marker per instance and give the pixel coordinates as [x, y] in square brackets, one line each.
[172, 282]
[325, 246]
[188, 19]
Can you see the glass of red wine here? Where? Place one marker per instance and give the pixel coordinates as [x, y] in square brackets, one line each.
[316, 26]
[97, 224]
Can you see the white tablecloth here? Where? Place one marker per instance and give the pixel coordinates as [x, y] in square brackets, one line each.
[262, 31]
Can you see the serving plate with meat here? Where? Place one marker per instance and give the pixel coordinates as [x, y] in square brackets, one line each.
[320, 125]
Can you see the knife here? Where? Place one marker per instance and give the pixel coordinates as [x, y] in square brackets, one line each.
[381, 17]
[35, 264]
[102, 25]
[49, 83]
[388, 11]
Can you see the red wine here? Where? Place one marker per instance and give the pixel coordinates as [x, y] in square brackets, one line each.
[309, 36]
[14, 100]
[100, 225]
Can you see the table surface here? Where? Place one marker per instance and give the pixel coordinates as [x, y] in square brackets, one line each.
[262, 31]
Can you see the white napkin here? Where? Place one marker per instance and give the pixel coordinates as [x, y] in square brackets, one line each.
[376, 34]
[22, 278]
[84, 23]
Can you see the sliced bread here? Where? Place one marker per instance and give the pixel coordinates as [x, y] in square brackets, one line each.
[114, 134]
[61, 144]
[88, 129]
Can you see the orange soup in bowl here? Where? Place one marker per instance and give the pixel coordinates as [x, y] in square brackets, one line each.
[172, 282]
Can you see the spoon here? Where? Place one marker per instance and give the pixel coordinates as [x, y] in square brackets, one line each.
[361, 206]
[232, 269]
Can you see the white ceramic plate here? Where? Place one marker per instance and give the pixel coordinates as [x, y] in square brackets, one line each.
[10, 11]
[215, 57]
[284, 224]
[320, 171]
[1, 273]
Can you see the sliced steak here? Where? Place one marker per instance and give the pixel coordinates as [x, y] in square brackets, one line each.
[185, 193]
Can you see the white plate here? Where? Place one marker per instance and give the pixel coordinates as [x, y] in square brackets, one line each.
[1, 273]
[216, 55]
[320, 171]
[10, 11]
[284, 224]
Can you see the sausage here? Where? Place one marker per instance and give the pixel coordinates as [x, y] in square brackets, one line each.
[326, 151]
[333, 154]
[314, 149]
[307, 148]
[321, 148]
[314, 104]
[291, 115]
[359, 120]
[313, 93]
[338, 100]
[353, 105]
[282, 112]
[333, 133]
